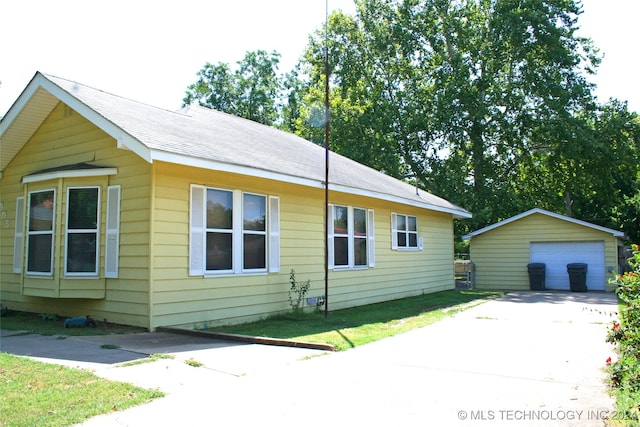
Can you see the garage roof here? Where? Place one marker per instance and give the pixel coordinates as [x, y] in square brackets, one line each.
[615, 233]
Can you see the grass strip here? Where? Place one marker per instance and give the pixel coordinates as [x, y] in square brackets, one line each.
[40, 394]
[356, 326]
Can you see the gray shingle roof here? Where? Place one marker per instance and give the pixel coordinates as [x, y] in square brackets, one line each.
[202, 137]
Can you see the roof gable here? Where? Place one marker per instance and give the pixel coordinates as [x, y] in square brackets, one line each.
[204, 138]
[528, 213]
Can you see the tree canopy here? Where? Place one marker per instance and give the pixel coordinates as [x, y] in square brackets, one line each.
[251, 91]
[487, 103]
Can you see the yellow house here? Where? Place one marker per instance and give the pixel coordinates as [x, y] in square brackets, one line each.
[502, 252]
[148, 217]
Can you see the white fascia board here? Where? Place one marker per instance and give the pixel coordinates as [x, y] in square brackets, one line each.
[18, 106]
[615, 233]
[123, 139]
[396, 199]
[79, 173]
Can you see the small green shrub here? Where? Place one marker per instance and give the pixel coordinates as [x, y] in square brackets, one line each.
[193, 362]
[624, 373]
[297, 293]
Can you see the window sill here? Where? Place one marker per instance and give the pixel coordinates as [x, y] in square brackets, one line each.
[243, 274]
[348, 268]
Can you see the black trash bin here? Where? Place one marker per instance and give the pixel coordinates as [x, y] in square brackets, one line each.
[577, 277]
[537, 271]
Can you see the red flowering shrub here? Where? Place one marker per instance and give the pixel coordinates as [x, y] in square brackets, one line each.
[624, 373]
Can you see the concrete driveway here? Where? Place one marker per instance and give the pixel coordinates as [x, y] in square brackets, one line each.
[527, 359]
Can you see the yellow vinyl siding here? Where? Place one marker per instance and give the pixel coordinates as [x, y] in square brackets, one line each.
[501, 255]
[153, 287]
[65, 138]
[192, 301]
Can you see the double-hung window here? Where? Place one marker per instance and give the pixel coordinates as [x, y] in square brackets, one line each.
[404, 232]
[219, 231]
[40, 232]
[232, 232]
[83, 231]
[254, 232]
[351, 243]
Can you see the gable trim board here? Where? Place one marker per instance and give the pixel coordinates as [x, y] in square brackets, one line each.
[145, 162]
[502, 251]
[549, 214]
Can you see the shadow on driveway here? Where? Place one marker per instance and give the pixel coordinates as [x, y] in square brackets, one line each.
[101, 349]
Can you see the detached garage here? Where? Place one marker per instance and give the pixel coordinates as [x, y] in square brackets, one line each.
[501, 252]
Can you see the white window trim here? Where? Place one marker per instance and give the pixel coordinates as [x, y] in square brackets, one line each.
[52, 232]
[236, 240]
[96, 231]
[244, 232]
[112, 238]
[274, 234]
[18, 240]
[394, 234]
[198, 232]
[353, 237]
[370, 238]
[349, 240]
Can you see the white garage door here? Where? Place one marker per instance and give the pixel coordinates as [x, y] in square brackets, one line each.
[556, 256]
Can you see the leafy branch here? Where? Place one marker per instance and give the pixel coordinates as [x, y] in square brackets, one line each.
[297, 292]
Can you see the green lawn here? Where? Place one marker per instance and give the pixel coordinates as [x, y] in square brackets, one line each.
[40, 394]
[351, 327]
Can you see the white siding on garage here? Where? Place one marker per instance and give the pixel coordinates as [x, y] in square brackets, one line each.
[556, 256]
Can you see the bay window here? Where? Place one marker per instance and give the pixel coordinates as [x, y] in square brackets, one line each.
[65, 230]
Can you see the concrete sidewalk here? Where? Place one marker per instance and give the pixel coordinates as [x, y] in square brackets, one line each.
[527, 359]
[103, 354]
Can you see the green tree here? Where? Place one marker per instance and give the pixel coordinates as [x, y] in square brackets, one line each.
[376, 107]
[251, 91]
[461, 92]
[214, 88]
[594, 179]
[614, 166]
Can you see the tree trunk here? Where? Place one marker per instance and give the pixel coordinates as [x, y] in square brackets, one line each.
[568, 202]
[477, 158]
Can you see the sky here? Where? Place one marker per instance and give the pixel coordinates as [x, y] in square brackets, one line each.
[151, 51]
